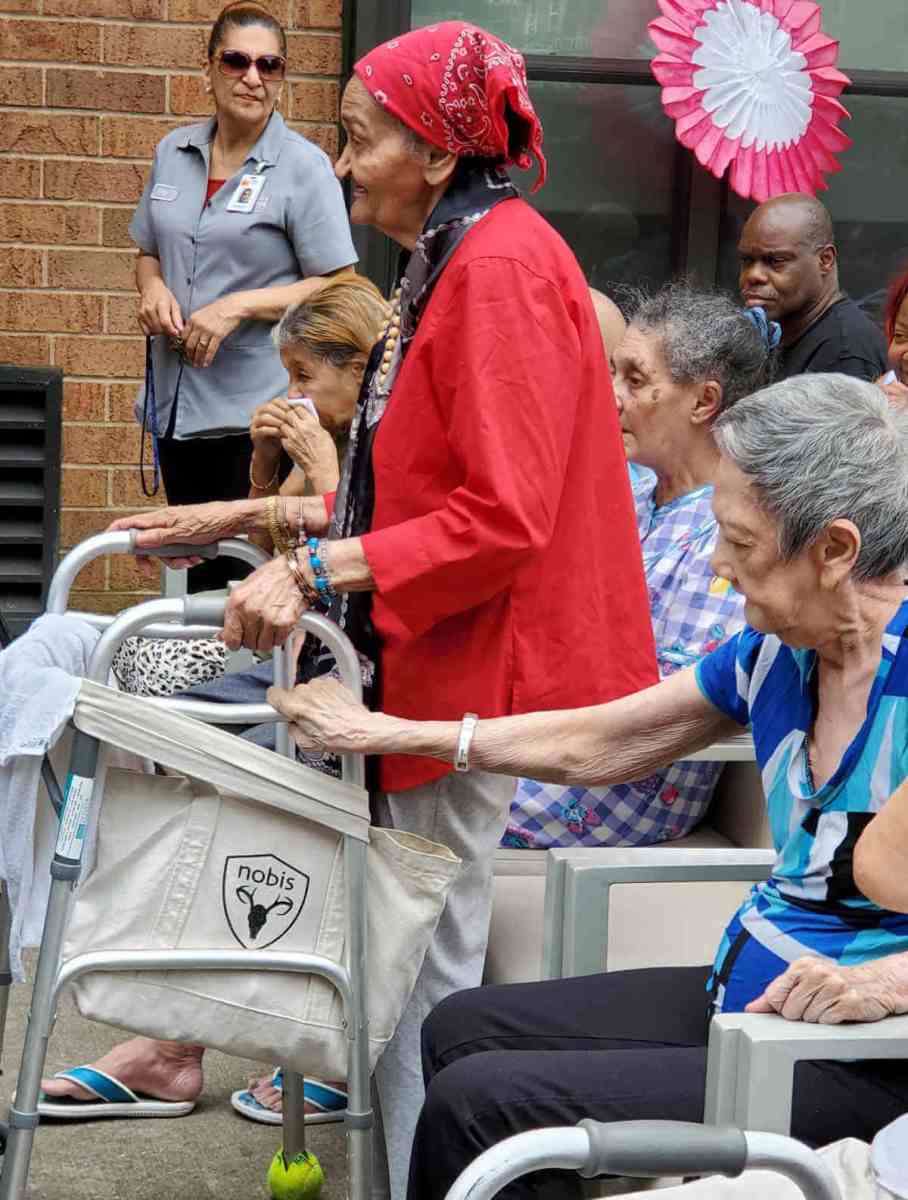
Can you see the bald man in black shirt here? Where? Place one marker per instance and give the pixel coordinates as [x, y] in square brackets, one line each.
[789, 266]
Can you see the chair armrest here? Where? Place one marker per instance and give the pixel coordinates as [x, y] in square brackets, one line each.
[752, 1057]
[578, 883]
[553, 913]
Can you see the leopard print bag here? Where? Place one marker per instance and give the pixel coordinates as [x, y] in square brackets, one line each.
[165, 666]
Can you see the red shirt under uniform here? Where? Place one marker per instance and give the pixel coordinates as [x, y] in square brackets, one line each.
[504, 546]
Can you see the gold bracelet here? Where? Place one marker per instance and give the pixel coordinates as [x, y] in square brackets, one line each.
[273, 528]
[282, 523]
[308, 592]
[263, 487]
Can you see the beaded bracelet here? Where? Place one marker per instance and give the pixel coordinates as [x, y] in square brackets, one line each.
[318, 563]
[308, 592]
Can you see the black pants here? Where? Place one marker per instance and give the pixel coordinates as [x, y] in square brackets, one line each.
[197, 470]
[621, 1046]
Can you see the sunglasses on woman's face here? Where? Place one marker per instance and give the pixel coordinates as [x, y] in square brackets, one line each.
[235, 63]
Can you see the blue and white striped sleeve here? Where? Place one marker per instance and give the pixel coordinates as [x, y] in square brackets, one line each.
[724, 675]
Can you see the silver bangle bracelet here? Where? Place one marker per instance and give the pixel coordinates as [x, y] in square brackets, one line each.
[467, 729]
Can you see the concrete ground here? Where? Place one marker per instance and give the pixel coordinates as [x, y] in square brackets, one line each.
[211, 1153]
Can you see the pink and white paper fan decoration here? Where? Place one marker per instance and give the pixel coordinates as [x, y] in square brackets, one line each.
[752, 84]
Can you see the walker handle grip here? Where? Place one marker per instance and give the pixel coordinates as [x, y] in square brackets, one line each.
[646, 1149]
[204, 610]
[178, 550]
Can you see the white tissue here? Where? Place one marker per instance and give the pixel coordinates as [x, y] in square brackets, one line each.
[304, 401]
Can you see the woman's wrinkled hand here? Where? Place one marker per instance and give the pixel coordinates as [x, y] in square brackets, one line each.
[324, 715]
[159, 311]
[309, 445]
[195, 524]
[267, 426]
[263, 610]
[822, 992]
[207, 328]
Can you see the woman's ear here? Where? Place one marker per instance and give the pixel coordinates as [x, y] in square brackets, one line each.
[206, 77]
[438, 166]
[708, 403]
[836, 552]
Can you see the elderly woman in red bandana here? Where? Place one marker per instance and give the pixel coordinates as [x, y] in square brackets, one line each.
[481, 550]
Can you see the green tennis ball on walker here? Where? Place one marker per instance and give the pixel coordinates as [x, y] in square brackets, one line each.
[299, 1179]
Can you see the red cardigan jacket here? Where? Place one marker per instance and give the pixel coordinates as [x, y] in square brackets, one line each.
[504, 546]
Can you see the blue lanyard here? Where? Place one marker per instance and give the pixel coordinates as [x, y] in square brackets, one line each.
[149, 425]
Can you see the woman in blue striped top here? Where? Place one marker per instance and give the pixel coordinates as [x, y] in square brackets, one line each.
[811, 499]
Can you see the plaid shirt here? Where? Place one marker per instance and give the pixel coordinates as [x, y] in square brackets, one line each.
[692, 611]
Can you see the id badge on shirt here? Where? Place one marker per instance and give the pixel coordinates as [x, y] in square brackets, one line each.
[247, 193]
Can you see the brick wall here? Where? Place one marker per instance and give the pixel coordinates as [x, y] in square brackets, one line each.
[87, 88]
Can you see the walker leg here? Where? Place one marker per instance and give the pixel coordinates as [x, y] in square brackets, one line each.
[5, 976]
[294, 1174]
[23, 1117]
[293, 1107]
[360, 1118]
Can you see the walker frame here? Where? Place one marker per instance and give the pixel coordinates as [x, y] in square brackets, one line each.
[644, 1150]
[185, 618]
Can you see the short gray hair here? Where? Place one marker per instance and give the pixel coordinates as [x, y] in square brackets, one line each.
[817, 448]
[706, 335]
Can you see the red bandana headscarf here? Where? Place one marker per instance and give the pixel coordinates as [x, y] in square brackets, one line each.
[461, 89]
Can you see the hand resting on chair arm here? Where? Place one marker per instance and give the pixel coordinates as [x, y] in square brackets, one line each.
[819, 991]
[814, 989]
[609, 743]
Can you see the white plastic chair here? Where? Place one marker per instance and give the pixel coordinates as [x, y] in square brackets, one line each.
[751, 1057]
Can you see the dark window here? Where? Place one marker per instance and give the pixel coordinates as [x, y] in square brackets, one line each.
[581, 28]
[612, 205]
[866, 200]
[871, 36]
[632, 204]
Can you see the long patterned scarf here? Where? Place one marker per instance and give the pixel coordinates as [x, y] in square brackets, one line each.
[475, 188]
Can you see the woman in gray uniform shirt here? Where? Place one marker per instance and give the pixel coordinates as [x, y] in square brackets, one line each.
[238, 215]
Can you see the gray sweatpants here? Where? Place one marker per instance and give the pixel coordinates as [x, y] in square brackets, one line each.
[467, 813]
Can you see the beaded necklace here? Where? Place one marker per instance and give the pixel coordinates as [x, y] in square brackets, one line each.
[392, 336]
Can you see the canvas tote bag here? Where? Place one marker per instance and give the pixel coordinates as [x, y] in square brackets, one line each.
[182, 865]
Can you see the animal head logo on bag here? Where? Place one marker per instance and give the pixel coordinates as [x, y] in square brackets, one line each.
[262, 897]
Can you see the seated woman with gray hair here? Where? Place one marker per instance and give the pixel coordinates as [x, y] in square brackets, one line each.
[686, 357]
[811, 499]
[324, 342]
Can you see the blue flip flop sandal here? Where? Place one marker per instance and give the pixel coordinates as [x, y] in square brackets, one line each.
[112, 1099]
[331, 1103]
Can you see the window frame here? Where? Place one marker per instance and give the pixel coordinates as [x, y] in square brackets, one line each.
[698, 198]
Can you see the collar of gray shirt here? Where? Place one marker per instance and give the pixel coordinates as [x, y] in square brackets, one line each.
[266, 151]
